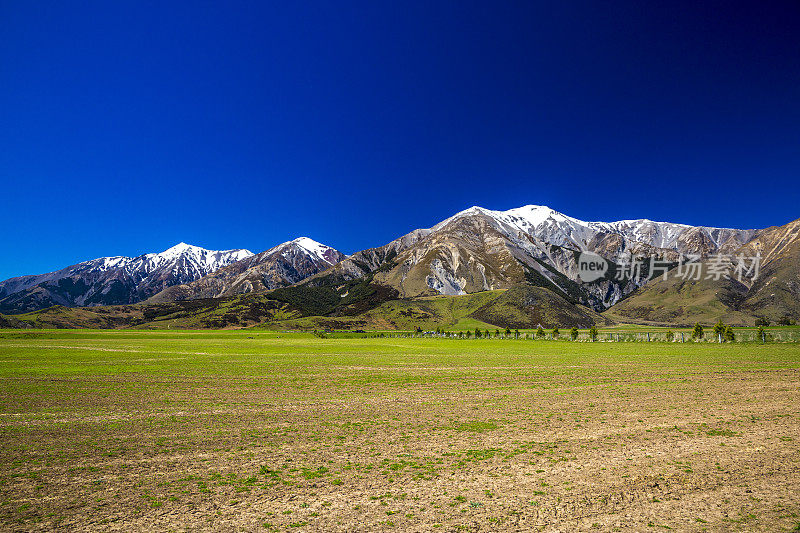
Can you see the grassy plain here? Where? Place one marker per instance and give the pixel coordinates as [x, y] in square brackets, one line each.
[257, 430]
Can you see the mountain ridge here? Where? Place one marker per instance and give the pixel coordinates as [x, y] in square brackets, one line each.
[773, 295]
[480, 249]
[474, 250]
[114, 280]
[281, 265]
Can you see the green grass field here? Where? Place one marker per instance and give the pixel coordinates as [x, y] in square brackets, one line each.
[261, 430]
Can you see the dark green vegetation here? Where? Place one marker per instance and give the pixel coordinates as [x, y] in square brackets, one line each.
[255, 430]
[328, 295]
[358, 304]
[207, 313]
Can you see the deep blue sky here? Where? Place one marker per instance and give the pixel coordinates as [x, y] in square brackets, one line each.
[126, 127]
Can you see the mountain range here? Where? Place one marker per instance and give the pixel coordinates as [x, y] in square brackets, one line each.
[479, 249]
[474, 251]
[114, 280]
[285, 264]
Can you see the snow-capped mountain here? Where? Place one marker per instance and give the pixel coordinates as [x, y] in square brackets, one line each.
[317, 251]
[285, 264]
[474, 250]
[552, 227]
[114, 280]
[481, 249]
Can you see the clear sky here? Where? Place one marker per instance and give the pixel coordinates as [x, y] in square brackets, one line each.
[126, 127]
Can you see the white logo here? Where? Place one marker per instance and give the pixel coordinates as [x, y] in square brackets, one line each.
[591, 267]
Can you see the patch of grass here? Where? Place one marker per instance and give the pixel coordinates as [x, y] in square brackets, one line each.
[314, 473]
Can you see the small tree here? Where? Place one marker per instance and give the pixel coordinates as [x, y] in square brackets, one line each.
[728, 335]
[497, 334]
[477, 333]
[719, 329]
[761, 333]
[556, 333]
[539, 332]
[697, 332]
[508, 332]
[516, 334]
[573, 333]
[469, 334]
[593, 333]
[670, 335]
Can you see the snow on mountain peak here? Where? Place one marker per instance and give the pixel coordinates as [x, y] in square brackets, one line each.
[536, 215]
[313, 248]
[553, 227]
[181, 248]
[525, 217]
[202, 255]
[309, 246]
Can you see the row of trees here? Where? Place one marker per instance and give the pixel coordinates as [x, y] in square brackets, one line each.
[723, 332]
[555, 333]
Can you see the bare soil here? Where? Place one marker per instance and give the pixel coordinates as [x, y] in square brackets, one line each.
[388, 443]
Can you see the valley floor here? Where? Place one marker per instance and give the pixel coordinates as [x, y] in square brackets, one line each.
[253, 430]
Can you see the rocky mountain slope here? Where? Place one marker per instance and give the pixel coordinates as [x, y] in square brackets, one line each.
[774, 293]
[114, 280]
[479, 249]
[285, 264]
